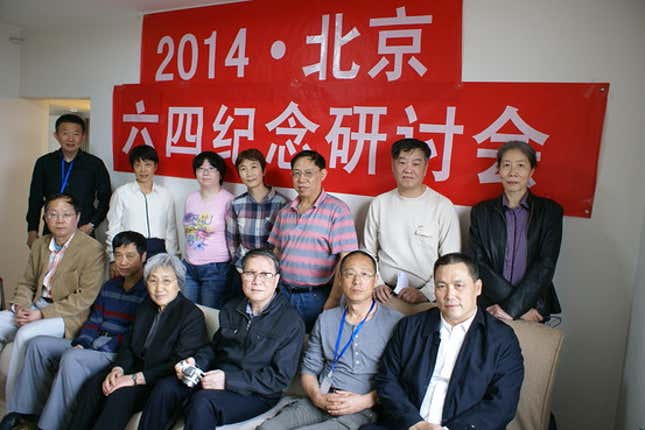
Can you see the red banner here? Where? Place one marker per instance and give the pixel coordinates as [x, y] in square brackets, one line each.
[353, 128]
[348, 78]
[362, 42]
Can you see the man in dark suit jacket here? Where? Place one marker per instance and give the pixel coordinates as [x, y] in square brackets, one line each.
[453, 367]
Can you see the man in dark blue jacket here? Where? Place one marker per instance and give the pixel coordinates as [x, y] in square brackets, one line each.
[453, 367]
[250, 361]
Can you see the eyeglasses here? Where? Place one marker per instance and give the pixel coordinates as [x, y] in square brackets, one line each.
[307, 174]
[363, 276]
[55, 215]
[262, 276]
[163, 282]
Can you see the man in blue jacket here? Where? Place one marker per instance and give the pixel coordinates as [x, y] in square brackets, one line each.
[250, 361]
[453, 367]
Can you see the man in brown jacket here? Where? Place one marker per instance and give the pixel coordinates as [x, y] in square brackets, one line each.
[63, 277]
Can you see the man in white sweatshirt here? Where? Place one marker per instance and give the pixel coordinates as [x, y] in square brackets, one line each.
[409, 227]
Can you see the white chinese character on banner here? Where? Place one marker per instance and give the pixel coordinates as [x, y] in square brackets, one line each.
[139, 117]
[398, 49]
[341, 137]
[340, 40]
[448, 130]
[184, 123]
[222, 124]
[291, 114]
[527, 133]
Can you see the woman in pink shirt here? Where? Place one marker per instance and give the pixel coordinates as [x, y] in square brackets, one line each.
[207, 260]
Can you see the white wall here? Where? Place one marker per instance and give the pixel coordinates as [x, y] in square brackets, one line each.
[23, 138]
[10, 61]
[84, 60]
[504, 40]
[632, 397]
[582, 40]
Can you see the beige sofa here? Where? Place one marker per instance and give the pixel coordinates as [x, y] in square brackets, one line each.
[540, 346]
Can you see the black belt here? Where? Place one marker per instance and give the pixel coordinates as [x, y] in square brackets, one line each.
[47, 299]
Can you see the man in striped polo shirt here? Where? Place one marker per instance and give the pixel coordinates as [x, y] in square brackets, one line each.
[55, 368]
[310, 236]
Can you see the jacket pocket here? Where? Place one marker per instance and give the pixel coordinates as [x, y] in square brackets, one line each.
[64, 284]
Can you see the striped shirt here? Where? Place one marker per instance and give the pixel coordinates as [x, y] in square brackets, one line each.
[248, 223]
[112, 313]
[310, 243]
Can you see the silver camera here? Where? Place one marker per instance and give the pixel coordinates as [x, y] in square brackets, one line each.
[191, 375]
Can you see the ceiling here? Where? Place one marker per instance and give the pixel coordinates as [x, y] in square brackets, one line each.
[34, 14]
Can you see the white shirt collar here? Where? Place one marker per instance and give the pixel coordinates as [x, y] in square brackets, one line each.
[462, 326]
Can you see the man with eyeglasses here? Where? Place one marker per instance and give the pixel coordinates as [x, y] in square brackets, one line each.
[342, 356]
[249, 362]
[409, 227]
[63, 276]
[311, 235]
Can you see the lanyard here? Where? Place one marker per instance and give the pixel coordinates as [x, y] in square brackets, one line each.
[64, 173]
[358, 328]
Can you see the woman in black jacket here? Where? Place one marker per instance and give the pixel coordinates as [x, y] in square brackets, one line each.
[516, 242]
[167, 328]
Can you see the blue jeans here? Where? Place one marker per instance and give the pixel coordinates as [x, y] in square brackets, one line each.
[208, 284]
[309, 304]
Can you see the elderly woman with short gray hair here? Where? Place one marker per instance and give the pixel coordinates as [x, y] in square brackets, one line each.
[168, 327]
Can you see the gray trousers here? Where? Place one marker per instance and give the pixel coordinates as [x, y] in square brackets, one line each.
[303, 415]
[52, 376]
[20, 337]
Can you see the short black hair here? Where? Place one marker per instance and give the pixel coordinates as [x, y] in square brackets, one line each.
[314, 156]
[143, 153]
[63, 196]
[251, 154]
[520, 146]
[456, 258]
[71, 118]
[127, 237]
[408, 144]
[214, 160]
[359, 252]
[261, 252]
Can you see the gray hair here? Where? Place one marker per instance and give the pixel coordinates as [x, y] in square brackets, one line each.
[166, 261]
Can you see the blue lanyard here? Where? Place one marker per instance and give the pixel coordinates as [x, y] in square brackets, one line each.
[358, 328]
[64, 175]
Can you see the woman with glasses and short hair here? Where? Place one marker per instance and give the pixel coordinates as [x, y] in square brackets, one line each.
[206, 257]
[167, 328]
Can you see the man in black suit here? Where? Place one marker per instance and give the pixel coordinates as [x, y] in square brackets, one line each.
[452, 367]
